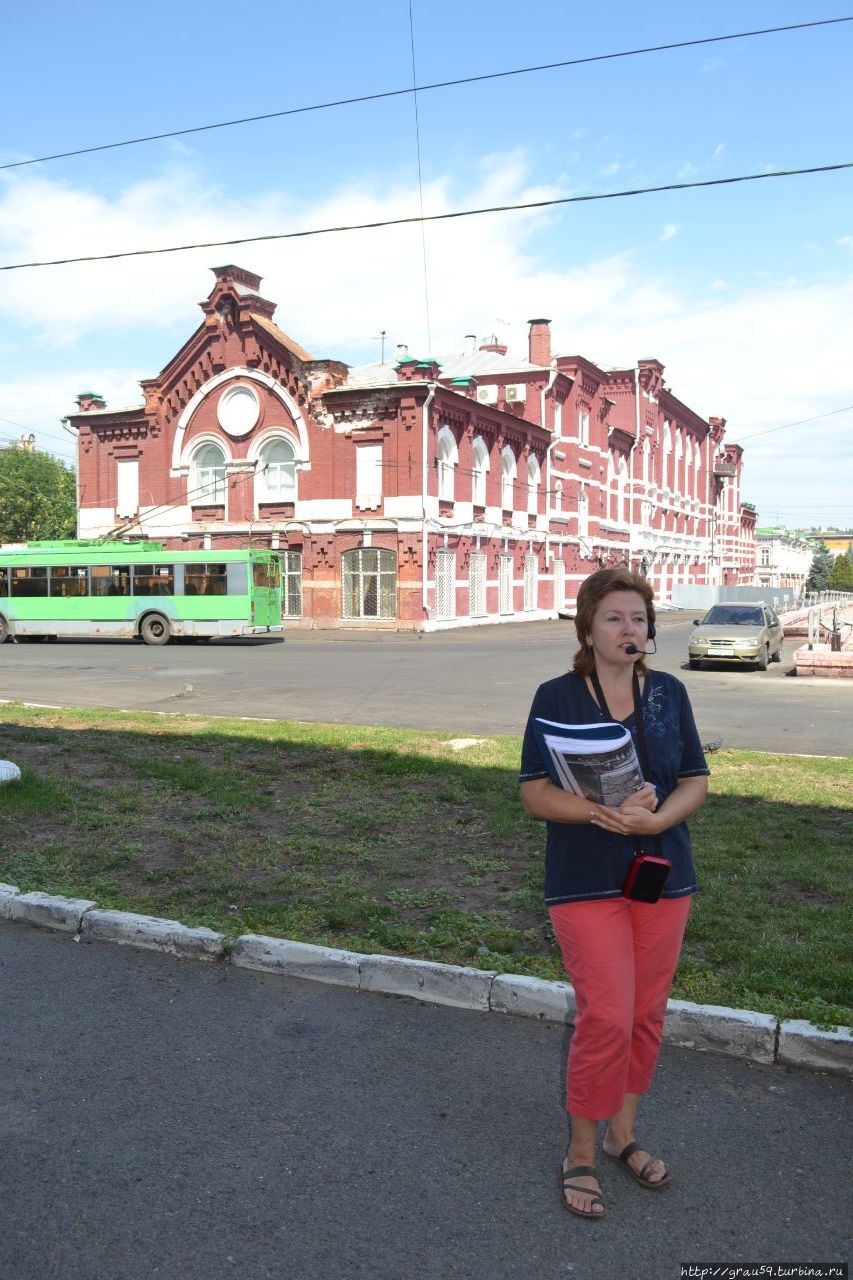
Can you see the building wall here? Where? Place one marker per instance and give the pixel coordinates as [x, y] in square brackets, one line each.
[622, 473]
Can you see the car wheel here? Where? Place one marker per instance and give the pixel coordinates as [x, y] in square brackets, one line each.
[695, 664]
[155, 629]
[763, 659]
[777, 656]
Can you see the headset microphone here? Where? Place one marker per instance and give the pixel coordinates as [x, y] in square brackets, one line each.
[632, 650]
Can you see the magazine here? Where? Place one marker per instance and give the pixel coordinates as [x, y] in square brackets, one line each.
[598, 761]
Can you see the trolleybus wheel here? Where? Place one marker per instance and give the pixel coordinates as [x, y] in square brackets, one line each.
[155, 629]
[4, 630]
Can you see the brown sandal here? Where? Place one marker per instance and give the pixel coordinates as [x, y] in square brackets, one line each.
[580, 1171]
[641, 1175]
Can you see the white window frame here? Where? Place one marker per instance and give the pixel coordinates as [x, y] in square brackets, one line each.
[445, 584]
[583, 425]
[352, 566]
[127, 486]
[368, 476]
[477, 569]
[207, 484]
[531, 582]
[275, 481]
[509, 470]
[534, 475]
[480, 471]
[505, 584]
[447, 456]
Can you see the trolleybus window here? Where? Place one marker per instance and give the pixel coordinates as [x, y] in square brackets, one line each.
[153, 580]
[205, 580]
[29, 580]
[265, 574]
[69, 580]
[4, 580]
[110, 580]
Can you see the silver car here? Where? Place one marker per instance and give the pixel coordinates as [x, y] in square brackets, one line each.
[735, 632]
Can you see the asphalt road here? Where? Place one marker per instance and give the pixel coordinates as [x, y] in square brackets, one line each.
[477, 680]
[167, 1118]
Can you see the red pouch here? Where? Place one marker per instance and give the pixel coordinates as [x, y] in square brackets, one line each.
[647, 877]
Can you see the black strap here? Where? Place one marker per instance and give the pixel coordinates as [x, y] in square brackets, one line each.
[642, 749]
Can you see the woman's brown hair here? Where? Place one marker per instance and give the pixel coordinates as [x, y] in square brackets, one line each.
[590, 595]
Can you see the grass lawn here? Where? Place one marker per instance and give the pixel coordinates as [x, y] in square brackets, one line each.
[390, 840]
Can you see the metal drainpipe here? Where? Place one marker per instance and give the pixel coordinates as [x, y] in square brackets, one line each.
[424, 527]
[542, 394]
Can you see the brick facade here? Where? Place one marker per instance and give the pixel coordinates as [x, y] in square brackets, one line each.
[424, 494]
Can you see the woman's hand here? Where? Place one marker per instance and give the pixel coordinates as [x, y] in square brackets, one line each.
[628, 820]
[645, 798]
[636, 819]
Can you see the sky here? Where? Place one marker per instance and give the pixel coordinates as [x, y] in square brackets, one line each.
[744, 292]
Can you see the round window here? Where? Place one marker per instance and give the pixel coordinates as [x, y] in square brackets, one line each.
[238, 410]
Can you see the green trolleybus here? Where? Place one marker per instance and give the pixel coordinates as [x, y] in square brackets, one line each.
[79, 589]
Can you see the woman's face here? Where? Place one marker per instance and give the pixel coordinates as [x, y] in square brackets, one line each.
[619, 621]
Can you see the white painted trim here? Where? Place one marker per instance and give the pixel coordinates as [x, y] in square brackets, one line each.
[219, 380]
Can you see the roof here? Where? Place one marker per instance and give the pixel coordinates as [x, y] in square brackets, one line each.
[476, 364]
[280, 336]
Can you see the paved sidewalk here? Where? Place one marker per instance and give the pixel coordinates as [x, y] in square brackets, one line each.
[162, 1117]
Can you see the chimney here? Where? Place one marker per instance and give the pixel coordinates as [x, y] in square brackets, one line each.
[402, 351]
[539, 342]
[491, 344]
[469, 344]
[87, 401]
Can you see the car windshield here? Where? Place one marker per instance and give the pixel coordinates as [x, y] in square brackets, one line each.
[736, 615]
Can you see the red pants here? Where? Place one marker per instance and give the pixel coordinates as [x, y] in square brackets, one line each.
[621, 957]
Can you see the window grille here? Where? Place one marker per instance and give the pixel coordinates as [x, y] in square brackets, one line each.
[445, 584]
[559, 584]
[477, 584]
[531, 582]
[370, 583]
[505, 584]
[291, 584]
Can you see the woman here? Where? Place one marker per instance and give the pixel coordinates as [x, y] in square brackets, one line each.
[620, 953]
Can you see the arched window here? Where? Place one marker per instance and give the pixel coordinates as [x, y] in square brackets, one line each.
[480, 469]
[583, 513]
[448, 456]
[623, 501]
[534, 472]
[370, 583]
[508, 473]
[276, 471]
[207, 475]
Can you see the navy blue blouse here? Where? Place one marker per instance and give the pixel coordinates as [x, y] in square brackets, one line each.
[583, 862]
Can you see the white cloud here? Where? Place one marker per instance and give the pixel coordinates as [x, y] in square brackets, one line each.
[728, 350]
[670, 230]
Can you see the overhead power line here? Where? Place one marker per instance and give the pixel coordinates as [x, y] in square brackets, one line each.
[430, 217]
[423, 88]
[801, 423]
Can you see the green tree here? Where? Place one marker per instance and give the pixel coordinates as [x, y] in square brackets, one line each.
[841, 578]
[38, 496]
[822, 563]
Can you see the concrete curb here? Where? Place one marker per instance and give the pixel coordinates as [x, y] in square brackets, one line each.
[129, 930]
[739, 1033]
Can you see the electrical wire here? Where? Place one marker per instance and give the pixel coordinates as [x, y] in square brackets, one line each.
[425, 88]
[431, 217]
[801, 423]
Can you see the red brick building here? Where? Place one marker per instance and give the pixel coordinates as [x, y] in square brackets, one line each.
[479, 488]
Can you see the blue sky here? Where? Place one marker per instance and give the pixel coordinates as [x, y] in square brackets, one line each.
[744, 292]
